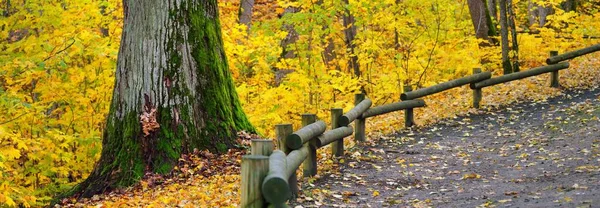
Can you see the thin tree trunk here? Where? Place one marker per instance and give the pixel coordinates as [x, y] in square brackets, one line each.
[513, 29]
[493, 9]
[245, 13]
[491, 23]
[543, 13]
[329, 52]
[350, 34]
[7, 10]
[104, 26]
[569, 5]
[504, 36]
[173, 93]
[531, 13]
[538, 13]
[291, 37]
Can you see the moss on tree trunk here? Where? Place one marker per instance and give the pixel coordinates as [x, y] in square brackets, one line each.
[172, 71]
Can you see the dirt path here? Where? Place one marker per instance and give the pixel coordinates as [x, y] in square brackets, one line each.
[526, 155]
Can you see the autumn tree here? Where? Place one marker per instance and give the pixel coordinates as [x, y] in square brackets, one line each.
[350, 34]
[569, 5]
[173, 93]
[538, 12]
[292, 35]
[493, 9]
[245, 13]
[481, 19]
[504, 37]
[513, 32]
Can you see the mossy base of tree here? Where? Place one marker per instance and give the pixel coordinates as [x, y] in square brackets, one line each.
[184, 85]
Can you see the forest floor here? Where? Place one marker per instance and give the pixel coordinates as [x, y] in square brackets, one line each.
[533, 154]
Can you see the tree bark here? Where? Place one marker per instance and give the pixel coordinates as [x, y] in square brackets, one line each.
[478, 17]
[543, 13]
[493, 9]
[569, 5]
[504, 36]
[538, 13]
[7, 10]
[291, 37]
[245, 13]
[350, 34]
[104, 25]
[329, 51]
[173, 93]
[513, 30]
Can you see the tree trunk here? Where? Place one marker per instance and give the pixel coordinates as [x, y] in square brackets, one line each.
[569, 5]
[513, 30]
[493, 9]
[477, 10]
[350, 33]
[245, 13]
[104, 25]
[173, 93]
[543, 13]
[538, 13]
[329, 51]
[531, 13]
[291, 37]
[7, 10]
[504, 36]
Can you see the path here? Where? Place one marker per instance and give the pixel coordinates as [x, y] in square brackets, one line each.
[527, 155]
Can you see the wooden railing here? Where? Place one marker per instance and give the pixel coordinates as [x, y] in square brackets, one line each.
[269, 177]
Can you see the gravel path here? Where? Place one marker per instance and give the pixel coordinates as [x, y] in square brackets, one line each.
[526, 155]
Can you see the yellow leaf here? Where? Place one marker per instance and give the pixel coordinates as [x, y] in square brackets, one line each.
[471, 176]
[11, 153]
[7, 200]
[375, 193]
[568, 199]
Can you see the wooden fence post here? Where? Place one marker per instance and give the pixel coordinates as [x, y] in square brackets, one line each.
[408, 113]
[554, 75]
[254, 170]
[282, 131]
[359, 128]
[310, 164]
[476, 92]
[337, 147]
[262, 147]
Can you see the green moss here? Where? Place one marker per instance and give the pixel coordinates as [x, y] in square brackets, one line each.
[488, 18]
[223, 112]
[221, 147]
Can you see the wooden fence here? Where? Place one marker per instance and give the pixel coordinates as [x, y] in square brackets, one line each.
[269, 176]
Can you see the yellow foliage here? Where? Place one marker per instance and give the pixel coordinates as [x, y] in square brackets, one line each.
[57, 73]
[56, 77]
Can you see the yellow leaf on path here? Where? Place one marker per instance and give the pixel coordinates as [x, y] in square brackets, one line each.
[375, 193]
[568, 199]
[471, 176]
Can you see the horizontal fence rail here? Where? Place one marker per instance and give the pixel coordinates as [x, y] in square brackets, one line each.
[297, 139]
[269, 177]
[355, 112]
[572, 54]
[519, 75]
[387, 108]
[333, 135]
[445, 86]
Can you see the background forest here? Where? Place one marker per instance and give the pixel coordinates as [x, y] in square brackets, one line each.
[287, 57]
